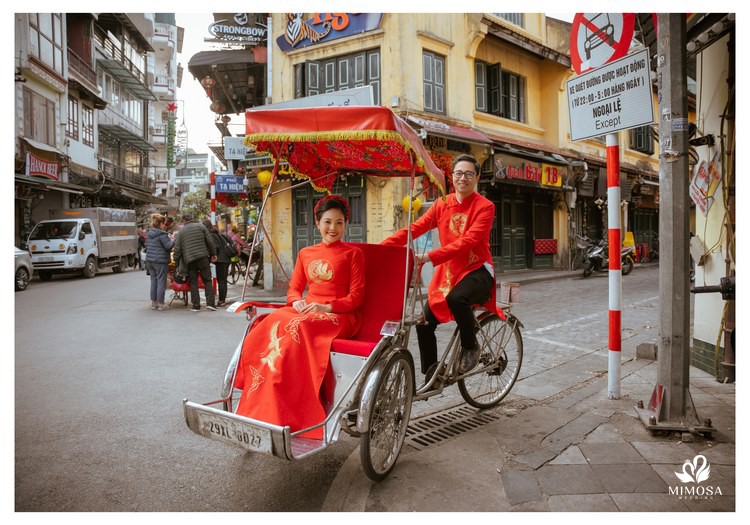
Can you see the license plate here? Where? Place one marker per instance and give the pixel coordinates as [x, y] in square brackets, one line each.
[45, 259]
[235, 433]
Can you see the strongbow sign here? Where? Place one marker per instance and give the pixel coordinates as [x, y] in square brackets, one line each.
[238, 29]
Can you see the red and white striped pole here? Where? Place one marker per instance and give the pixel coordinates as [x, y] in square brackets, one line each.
[615, 270]
[213, 221]
[213, 198]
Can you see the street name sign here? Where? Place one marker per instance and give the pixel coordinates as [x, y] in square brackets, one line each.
[599, 38]
[612, 98]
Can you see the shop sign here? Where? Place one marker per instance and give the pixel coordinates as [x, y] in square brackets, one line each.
[551, 175]
[230, 184]
[234, 149]
[301, 32]
[433, 142]
[526, 172]
[36, 166]
[235, 29]
[706, 178]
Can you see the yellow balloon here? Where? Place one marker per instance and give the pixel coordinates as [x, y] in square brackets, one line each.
[264, 177]
[415, 205]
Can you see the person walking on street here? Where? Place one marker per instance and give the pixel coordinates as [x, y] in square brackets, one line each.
[222, 260]
[158, 247]
[197, 250]
[464, 274]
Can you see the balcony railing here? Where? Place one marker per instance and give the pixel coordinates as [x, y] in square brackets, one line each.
[109, 49]
[123, 175]
[83, 70]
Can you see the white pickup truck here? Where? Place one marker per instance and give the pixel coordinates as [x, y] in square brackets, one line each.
[83, 240]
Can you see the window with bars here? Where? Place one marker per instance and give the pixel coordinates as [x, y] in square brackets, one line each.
[87, 125]
[45, 39]
[343, 72]
[499, 92]
[433, 82]
[73, 119]
[513, 18]
[642, 139]
[38, 117]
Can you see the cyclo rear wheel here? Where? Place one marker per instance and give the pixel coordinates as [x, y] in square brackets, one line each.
[500, 360]
[389, 416]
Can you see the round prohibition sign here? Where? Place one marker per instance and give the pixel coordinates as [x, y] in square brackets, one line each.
[599, 38]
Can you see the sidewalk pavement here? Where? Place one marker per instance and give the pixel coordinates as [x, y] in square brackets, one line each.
[556, 443]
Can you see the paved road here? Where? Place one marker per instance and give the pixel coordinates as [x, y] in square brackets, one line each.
[100, 379]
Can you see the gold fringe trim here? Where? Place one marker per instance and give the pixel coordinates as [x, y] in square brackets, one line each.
[330, 136]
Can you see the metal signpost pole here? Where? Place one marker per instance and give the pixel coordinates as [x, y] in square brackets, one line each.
[674, 220]
[615, 271]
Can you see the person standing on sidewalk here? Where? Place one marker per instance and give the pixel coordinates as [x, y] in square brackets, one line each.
[196, 248]
[158, 246]
[222, 260]
[464, 274]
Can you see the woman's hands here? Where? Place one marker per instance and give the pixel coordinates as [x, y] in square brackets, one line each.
[302, 307]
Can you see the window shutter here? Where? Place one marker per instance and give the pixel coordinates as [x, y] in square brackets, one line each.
[480, 86]
[521, 99]
[427, 83]
[299, 80]
[494, 89]
[312, 76]
[373, 74]
[439, 85]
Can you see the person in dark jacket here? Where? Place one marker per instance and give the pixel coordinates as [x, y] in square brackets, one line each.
[158, 246]
[222, 261]
[197, 250]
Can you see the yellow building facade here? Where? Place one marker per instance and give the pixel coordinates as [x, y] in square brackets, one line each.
[490, 85]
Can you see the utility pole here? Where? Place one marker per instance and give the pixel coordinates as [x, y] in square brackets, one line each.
[671, 406]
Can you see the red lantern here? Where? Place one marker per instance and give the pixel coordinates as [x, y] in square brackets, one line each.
[207, 82]
[218, 107]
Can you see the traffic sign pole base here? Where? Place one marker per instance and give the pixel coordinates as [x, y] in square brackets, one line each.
[690, 422]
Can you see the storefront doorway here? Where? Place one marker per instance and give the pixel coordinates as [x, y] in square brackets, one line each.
[515, 217]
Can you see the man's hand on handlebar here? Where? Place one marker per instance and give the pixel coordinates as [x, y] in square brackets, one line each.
[422, 258]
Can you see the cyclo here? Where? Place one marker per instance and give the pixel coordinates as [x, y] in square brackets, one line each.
[370, 384]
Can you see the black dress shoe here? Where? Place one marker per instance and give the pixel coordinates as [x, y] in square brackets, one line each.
[469, 359]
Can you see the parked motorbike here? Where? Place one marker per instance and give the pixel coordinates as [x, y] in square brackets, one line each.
[597, 259]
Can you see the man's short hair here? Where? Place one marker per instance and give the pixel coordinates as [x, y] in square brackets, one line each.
[187, 217]
[465, 157]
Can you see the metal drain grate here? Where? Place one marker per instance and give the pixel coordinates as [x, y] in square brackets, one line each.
[443, 426]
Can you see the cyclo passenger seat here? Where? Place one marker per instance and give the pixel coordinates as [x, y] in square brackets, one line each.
[385, 268]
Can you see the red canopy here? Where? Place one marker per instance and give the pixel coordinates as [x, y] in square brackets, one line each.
[321, 142]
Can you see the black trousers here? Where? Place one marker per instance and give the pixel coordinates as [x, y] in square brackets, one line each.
[222, 270]
[203, 267]
[473, 289]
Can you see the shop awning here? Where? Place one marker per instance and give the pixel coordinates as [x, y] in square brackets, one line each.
[540, 152]
[42, 146]
[126, 136]
[441, 129]
[50, 184]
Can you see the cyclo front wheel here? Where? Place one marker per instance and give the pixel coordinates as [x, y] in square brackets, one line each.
[501, 354]
[389, 416]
